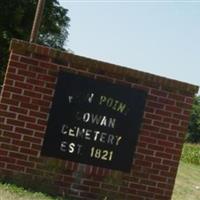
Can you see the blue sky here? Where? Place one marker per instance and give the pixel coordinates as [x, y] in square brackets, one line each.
[160, 37]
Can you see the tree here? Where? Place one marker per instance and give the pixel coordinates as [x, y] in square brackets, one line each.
[194, 124]
[16, 20]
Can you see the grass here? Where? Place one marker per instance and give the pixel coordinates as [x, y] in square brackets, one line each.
[187, 186]
[12, 192]
[191, 154]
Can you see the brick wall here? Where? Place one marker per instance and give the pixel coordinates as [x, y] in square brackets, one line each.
[24, 105]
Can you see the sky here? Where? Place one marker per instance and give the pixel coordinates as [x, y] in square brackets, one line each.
[160, 37]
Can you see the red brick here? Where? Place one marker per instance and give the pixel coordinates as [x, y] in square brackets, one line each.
[175, 139]
[10, 147]
[15, 77]
[43, 90]
[165, 143]
[25, 163]
[13, 89]
[158, 93]
[3, 107]
[158, 178]
[6, 127]
[18, 110]
[50, 85]
[41, 57]
[36, 147]
[127, 190]
[32, 139]
[170, 163]
[163, 113]
[32, 94]
[10, 102]
[48, 65]
[91, 183]
[2, 119]
[155, 190]
[15, 122]
[18, 155]
[6, 94]
[15, 167]
[7, 159]
[179, 128]
[168, 132]
[28, 61]
[35, 127]
[8, 114]
[9, 82]
[46, 78]
[38, 114]
[40, 102]
[12, 135]
[145, 151]
[173, 109]
[26, 73]
[155, 105]
[150, 128]
[80, 187]
[152, 116]
[166, 101]
[171, 120]
[3, 152]
[2, 164]
[161, 124]
[21, 143]
[182, 117]
[177, 97]
[20, 98]
[42, 122]
[152, 98]
[24, 85]
[183, 105]
[34, 172]
[4, 140]
[29, 151]
[148, 140]
[11, 70]
[26, 119]
[14, 57]
[143, 163]
[153, 159]
[18, 65]
[155, 147]
[160, 167]
[173, 151]
[189, 100]
[158, 135]
[29, 106]
[33, 81]
[164, 155]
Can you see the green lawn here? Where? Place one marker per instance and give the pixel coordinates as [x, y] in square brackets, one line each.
[187, 186]
[12, 192]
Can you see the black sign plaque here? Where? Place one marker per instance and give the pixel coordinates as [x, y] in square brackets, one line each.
[94, 122]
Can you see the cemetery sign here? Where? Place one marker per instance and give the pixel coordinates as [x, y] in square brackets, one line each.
[94, 122]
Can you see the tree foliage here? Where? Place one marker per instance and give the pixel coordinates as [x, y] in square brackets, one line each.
[16, 20]
[194, 124]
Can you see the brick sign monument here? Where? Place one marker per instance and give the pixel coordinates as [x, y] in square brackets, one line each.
[90, 130]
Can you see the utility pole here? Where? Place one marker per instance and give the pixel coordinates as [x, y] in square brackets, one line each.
[37, 20]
